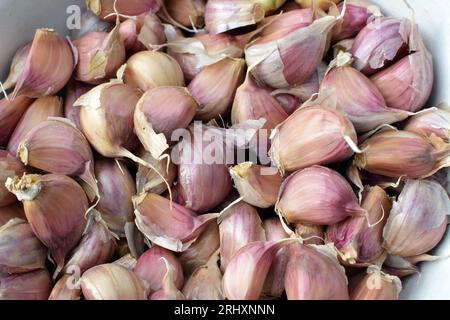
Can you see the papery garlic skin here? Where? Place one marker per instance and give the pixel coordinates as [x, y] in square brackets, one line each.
[11, 111]
[317, 195]
[225, 15]
[20, 250]
[11, 212]
[35, 285]
[320, 140]
[127, 261]
[418, 219]
[376, 285]
[431, 121]
[240, 225]
[10, 167]
[112, 282]
[105, 8]
[314, 273]
[65, 289]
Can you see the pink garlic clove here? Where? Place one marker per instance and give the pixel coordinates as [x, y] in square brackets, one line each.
[35, 285]
[11, 112]
[376, 285]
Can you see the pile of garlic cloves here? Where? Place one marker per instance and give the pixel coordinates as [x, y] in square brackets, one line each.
[221, 149]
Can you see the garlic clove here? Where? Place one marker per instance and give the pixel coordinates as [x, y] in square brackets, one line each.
[226, 15]
[90, 22]
[65, 290]
[215, 87]
[281, 25]
[106, 9]
[20, 250]
[321, 139]
[17, 66]
[58, 147]
[322, 4]
[376, 285]
[310, 233]
[206, 282]
[112, 282]
[431, 121]
[239, 225]
[425, 206]
[10, 167]
[129, 30]
[38, 112]
[168, 291]
[443, 178]
[317, 195]
[151, 268]
[55, 206]
[116, 188]
[167, 224]
[314, 273]
[257, 185]
[146, 70]
[74, 90]
[11, 111]
[190, 13]
[13, 211]
[34, 285]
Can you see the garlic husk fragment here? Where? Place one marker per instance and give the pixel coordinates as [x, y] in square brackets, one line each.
[239, 225]
[167, 224]
[112, 282]
[38, 112]
[322, 4]
[431, 121]
[380, 43]
[168, 290]
[13, 211]
[376, 285]
[257, 185]
[151, 268]
[90, 23]
[310, 233]
[100, 56]
[127, 261]
[65, 289]
[206, 282]
[356, 241]
[201, 250]
[187, 12]
[34, 285]
[355, 95]
[106, 9]
[96, 247]
[58, 147]
[418, 219]
[321, 139]
[273, 59]
[55, 206]
[10, 167]
[146, 70]
[344, 46]
[317, 195]
[394, 153]
[314, 273]
[11, 111]
[245, 274]
[215, 87]
[226, 15]
[116, 188]
[20, 250]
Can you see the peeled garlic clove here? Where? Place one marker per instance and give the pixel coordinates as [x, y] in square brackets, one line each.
[147, 180]
[394, 153]
[168, 290]
[146, 70]
[358, 13]
[412, 77]
[151, 268]
[357, 97]
[35, 285]
[90, 22]
[41, 76]
[106, 9]
[281, 25]
[116, 188]
[10, 167]
[11, 212]
[206, 282]
[167, 224]
[112, 282]
[425, 206]
[317, 195]
[314, 273]
[257, 185]
[431, 121]
[10, 113]
[96, 247]
[355, 240]
[274, 284]
[225, 15]
[75, 89]
[20, 250]
[380, 43]
[239, 225]
[310, 233]
[37, 113]
[201, 250]
[215, 86]
[65, 290]
[58, 147]
[55, 206]
[245, 274]
[187, 12]
[321, 139]
[322, 4]
[376, 285]
[17, 65]
[273, 59]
